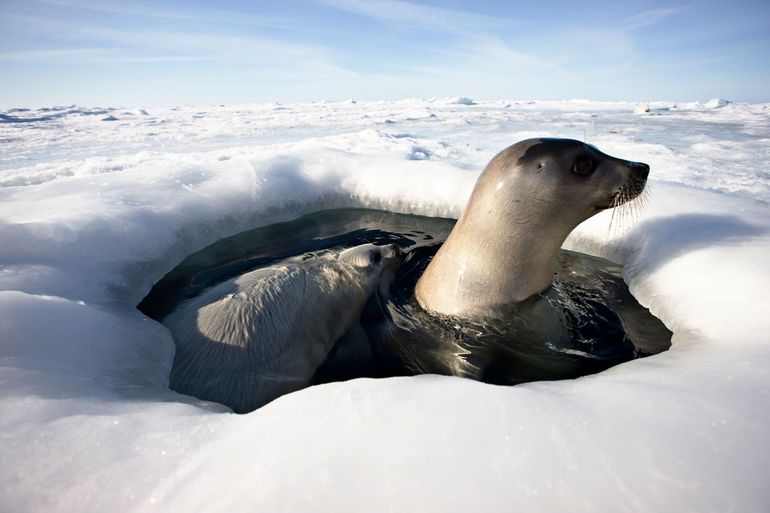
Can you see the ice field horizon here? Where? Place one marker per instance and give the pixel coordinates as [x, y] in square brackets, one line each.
[98, 203]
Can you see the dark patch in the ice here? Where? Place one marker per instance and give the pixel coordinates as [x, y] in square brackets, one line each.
[587, 322]
[111, 169]
[462, 101]
[419, 153]
[431, 117]
[50, 114]
[5, 118]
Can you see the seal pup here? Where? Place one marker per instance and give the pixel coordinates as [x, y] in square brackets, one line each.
[530, 196]
[263, 334]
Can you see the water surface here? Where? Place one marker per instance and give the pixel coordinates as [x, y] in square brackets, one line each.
[585, 322]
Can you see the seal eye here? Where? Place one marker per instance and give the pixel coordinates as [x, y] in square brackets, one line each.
[583, 166]
[377, 258]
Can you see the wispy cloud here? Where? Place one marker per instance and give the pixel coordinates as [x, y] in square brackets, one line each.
[654, 16]
[49, 54]
[411, 14]
[107, 44]
[93, 56]
[154, 11]
[494, 50]
[212, 44]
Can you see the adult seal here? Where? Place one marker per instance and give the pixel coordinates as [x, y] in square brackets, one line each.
[263, 334]
[530, 196]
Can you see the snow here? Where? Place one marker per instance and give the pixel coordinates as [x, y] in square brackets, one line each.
[715, 103]
[92, 213]
[462, 100]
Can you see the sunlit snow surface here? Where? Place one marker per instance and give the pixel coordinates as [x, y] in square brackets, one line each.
[98, 204]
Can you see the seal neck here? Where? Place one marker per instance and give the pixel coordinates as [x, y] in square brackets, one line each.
[484, 264]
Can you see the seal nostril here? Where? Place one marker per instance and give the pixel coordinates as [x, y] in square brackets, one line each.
[639, 170]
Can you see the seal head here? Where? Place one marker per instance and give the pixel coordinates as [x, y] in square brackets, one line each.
[527, 200]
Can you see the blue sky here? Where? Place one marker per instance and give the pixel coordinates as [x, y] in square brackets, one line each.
[170, 52]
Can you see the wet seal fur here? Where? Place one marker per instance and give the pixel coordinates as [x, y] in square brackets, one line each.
[530, 196]
[263, 334]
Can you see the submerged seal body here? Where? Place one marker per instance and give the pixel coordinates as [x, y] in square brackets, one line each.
[527, 200]
[263, 334]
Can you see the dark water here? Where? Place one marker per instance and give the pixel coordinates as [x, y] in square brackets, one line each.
[585, 322]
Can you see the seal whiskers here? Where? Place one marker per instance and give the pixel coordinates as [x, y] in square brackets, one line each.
[627, 207]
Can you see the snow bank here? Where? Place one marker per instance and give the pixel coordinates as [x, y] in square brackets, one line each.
[461, 100]
[715, 103]
[93, 213]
